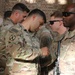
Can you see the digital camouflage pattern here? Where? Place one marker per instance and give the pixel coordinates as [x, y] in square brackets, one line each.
[48, 38]
[67, 54]
[22, 51]
[3, 29]
[1, 20]
[7, 23]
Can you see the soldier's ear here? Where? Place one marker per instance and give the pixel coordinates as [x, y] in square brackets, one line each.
[61, 22]
[17, 13]
[34, 16]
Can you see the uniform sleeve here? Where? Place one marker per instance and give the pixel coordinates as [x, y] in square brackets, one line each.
[45, 40]
[19, 48]
[3, 30]
[44, 36]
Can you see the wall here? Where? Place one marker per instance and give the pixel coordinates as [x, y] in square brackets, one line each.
[41, 4]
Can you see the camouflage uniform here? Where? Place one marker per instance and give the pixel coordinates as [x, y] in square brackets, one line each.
[67, 54]
[3, 29]
[22, 51]
[7, 23]
[1, 19]
[48, 38]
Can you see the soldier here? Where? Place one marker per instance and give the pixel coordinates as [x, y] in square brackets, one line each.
[48, 37]
[57, 25]
[22, 46]
[67, 54]
[19, 12]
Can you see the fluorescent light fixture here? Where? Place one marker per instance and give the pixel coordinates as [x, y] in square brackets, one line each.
[50, 1]
[31, 1]
[62, 2]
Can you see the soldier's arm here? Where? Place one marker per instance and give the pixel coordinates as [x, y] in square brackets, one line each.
[45, 39]
[20, 49]
[44, 36]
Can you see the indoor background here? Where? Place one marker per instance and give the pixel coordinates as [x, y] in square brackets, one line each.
[48, 6]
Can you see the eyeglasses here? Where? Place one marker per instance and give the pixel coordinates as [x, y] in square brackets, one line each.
[52, 22]
[66, 14]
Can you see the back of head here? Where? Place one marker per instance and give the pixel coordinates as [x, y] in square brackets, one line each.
[7, 14]
[70, 7]
[38, 12]
[21, 7]
[57, 14]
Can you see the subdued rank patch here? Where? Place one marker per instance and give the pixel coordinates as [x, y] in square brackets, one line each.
[12, 37]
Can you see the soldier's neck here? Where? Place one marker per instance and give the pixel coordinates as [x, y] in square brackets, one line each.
[25, 25]
[62, 30]
[72, 28]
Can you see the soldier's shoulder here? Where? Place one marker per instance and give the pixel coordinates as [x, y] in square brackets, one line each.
[7, 21]
[43, 29]
[7, 24]
[72, 33]
[16, 28]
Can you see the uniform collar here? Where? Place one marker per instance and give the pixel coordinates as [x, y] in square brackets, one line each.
[69, 34]
[10, 20]
[28, 31]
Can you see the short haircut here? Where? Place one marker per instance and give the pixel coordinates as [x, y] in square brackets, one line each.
[7, 14]
[70, 6]
[57, 14]
[21, 7]
[38, 12]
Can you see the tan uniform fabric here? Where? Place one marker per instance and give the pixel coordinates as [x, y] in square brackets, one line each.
[3, 29]
[22, 51]
[67, 55]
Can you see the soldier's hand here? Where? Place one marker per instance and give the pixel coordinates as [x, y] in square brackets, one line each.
[45, 51]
